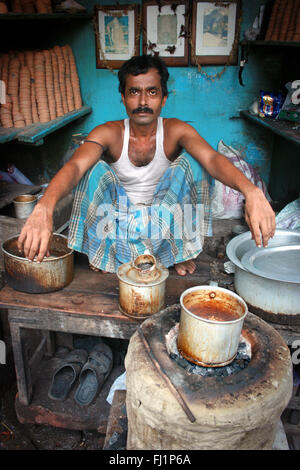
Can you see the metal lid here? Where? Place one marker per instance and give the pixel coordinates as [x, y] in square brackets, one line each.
[243, 243]
[143, 271]
[280, 263]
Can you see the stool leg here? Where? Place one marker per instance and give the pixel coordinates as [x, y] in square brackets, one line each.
[21, 365]
[50, 342]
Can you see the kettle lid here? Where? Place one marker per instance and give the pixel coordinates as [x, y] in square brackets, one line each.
[144, 270]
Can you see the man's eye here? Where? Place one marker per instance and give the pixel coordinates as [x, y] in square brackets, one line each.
[133, 92]
[152, 92]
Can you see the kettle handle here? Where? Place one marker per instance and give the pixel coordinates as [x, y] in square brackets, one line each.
[145, 258]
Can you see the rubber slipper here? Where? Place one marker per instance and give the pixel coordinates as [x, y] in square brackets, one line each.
[94, 373]
[65, 376]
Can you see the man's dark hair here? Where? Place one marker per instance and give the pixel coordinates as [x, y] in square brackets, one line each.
[141, 64]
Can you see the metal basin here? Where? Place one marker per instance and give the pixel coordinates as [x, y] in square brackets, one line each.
[52, 274]
[272, 299]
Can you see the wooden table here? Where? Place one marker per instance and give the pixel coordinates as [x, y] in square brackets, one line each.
[89, 305]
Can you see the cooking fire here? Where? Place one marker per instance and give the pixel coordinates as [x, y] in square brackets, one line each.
[240, 361]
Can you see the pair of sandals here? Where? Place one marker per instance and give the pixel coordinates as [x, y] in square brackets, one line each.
[92, 370]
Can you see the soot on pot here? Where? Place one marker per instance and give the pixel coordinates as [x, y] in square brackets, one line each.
[240, 362]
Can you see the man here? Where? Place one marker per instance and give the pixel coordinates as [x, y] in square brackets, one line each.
[134, 175]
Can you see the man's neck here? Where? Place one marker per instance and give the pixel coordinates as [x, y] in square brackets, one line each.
[146, 130]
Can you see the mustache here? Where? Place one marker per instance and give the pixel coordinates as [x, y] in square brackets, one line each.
[142, 109]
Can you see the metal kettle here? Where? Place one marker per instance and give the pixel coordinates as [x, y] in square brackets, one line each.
[142, 287]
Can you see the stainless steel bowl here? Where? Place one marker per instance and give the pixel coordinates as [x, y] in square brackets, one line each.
[241, 244]
[273, 300]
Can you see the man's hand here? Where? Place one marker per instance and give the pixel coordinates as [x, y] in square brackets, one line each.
[260, 217]
[36, 234]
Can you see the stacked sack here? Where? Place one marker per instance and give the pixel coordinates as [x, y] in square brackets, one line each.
[40, 86]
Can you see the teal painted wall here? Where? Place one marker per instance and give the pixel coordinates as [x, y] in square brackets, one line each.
[211, 106]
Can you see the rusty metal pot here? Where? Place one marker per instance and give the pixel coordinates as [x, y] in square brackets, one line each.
[52, 274]
[142, 287]
[210, 336]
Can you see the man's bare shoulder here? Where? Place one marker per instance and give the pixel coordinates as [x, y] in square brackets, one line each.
[174, 123]
[105, 134]
[176, 127]
[107, 127]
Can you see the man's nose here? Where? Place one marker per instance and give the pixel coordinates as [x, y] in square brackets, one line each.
[143, 97]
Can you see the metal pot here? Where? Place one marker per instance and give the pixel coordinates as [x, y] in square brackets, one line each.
[142, 287]
[205, 341]
[273, 300]
[24, 205]
[52, 274]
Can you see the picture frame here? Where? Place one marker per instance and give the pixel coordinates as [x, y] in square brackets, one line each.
[215, 32]
[165, 30]
[117, 35]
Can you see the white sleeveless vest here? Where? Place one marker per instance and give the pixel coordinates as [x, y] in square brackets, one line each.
[140, 182]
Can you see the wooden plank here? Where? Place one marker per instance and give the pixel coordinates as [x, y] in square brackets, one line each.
[21, 365]
[271, 43]
[73, 303]
[7, 134]
[90, 293]
[35, 132]
[88, 305]
[84, 302]
[281, 128]
[115, 326]
[45, 16]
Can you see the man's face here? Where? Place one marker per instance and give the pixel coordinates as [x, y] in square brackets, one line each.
[143, 98]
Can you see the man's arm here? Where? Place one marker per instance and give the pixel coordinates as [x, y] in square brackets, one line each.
[258, 213]
[37, 231]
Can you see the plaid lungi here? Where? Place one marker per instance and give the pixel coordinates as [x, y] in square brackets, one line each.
[111, 230]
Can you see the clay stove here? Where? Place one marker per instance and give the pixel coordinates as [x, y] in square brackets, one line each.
[234, 407]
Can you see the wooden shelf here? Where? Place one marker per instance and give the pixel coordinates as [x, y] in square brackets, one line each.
[271, 43]
[45, 16]
[282, 128]
[35, 133]
[6, 135]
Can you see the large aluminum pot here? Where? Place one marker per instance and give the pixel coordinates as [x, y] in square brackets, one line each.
[142, 286]
[273, 300]
[211, 322]
[52, 274]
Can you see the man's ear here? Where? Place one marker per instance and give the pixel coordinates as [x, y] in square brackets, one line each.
[123, 99]
[164, 101]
